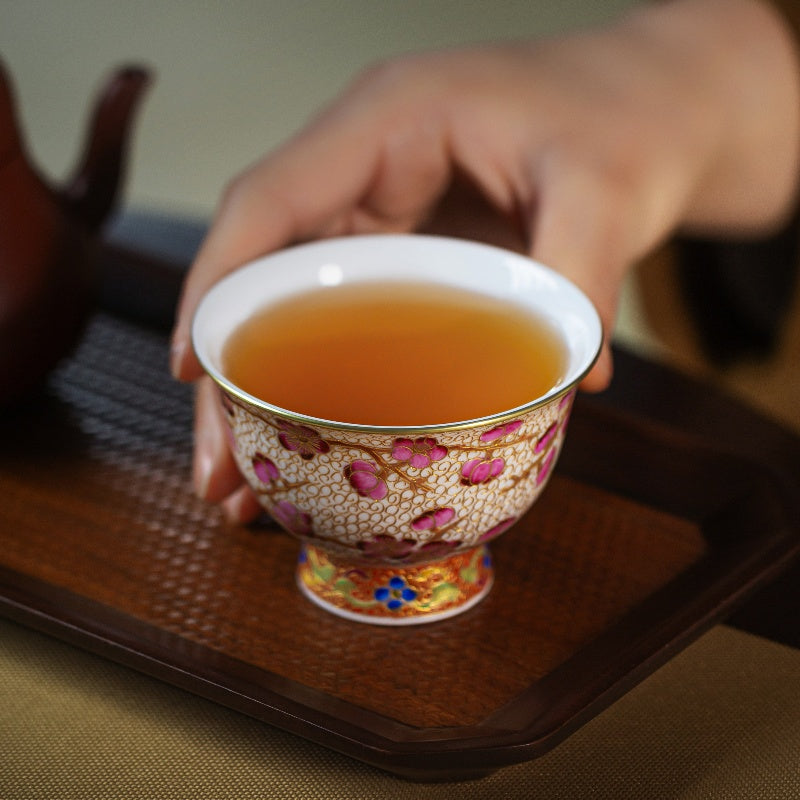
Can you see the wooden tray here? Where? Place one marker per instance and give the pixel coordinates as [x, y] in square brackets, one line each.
[643, 539]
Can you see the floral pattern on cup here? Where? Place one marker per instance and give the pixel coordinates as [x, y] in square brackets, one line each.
[264, 469]
[546, 439]
[419, 452]
[399, 499]
[367, 479]
[416, 593]
[500, 431]
[547, 465]
[435, 519]
[301, 439]
[395, 594]
[481, 470]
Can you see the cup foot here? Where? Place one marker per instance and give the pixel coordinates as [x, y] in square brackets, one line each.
[398, 594]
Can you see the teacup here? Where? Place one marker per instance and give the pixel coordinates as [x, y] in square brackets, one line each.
[394, 521]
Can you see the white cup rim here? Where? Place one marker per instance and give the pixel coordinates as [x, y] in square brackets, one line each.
[351, 259]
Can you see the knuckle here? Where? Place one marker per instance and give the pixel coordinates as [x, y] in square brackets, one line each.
[233, 191]
[392, 77]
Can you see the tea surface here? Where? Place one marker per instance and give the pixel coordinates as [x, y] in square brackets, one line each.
[394, 354]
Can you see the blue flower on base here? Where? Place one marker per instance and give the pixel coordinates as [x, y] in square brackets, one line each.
[396, 594]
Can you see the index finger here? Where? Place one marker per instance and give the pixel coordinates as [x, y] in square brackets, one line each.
[287, 196]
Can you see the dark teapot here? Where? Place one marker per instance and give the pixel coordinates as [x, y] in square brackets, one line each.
[48, 234]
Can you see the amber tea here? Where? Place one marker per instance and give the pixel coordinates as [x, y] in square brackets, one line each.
[394, 354]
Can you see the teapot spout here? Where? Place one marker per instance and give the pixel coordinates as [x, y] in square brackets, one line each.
[10, 137]
[91, 194]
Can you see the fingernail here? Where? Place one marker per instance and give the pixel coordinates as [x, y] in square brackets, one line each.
[204, 465]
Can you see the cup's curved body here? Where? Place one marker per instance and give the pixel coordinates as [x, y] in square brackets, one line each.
[394, 521]
[367, 500]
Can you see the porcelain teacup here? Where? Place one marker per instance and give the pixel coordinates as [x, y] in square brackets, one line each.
[394, 522]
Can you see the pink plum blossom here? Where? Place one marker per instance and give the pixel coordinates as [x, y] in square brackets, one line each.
[301, 439]
[546, 439]
[544, 469]
[264, 468]
[480, 470]
[367, 479]
[435, 518]
[418, 452]
[501, 430]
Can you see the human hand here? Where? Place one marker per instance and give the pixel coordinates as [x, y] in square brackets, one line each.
[584, 151]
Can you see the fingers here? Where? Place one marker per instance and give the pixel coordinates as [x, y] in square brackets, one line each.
[279, 201]
[582, 229]
[214, 473]
[367, 164]
[601, 373]
[242, 506]
[215, 476]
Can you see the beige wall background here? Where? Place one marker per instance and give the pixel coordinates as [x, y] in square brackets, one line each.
[233, 79]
